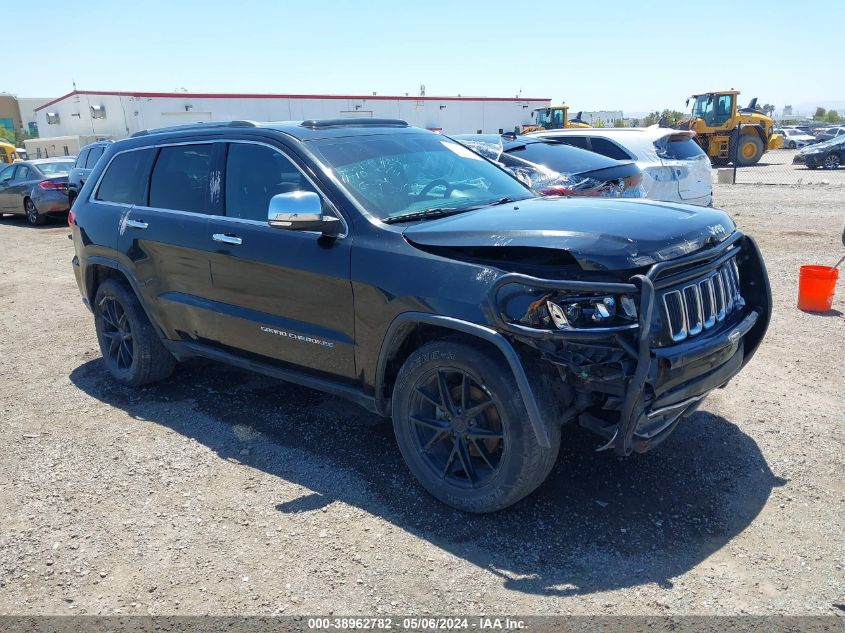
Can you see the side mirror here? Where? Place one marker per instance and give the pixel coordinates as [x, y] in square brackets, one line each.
[300, 211]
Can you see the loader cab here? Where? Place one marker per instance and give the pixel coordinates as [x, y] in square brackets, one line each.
[715, 108]
[553, 118]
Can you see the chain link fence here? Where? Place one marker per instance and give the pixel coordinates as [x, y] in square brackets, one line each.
[778, 167]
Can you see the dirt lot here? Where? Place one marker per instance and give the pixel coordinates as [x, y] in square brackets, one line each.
[223, 492]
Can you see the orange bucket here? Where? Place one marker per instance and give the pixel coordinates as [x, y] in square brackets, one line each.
[816, 285]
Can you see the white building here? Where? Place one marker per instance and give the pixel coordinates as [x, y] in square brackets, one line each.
[119, 114]
[608, 117]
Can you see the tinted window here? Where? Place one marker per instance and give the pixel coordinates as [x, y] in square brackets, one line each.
[6, 174]
[575, 141]
[254, 174]
[609, 149]
[180, 178]
[562, 158]
[80, 160]
[681, 149]
[93, 157]
[23, 172]
[126, 178]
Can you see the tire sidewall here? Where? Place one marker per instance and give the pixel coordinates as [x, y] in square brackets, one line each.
[112, 290]
[758, 144]
[498, 491]
[36, 219]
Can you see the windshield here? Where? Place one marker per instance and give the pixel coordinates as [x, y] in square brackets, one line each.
[397, 174]
[59, 167]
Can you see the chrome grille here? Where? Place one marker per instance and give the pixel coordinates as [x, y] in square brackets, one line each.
[701, 304]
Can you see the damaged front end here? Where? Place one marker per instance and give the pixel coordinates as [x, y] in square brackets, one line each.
[630, 358]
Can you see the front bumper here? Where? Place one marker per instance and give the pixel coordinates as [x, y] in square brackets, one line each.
[631, 388]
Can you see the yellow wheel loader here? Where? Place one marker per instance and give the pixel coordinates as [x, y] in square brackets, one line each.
[728, 133]
[553, 118]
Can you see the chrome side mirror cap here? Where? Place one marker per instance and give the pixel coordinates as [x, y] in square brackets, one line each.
[300, 211]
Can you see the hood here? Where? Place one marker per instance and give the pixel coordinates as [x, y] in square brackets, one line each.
[599, 234]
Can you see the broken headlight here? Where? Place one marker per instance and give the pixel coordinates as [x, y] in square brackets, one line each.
[569, 312]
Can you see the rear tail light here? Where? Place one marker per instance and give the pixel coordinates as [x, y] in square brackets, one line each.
[50, 185]
[633, 181]
[71, 217]
[557, 191]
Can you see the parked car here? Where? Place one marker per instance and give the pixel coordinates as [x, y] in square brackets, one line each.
[555, 169]
[829, 155]
[829, 133]
[85, 161]
[35, 188]
[674, 167]
[395, 267]
[794, 138]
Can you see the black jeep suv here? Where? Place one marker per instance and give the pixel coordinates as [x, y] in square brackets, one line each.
[397, 268]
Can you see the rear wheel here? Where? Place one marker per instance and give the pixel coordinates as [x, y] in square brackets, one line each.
[463, 429]
[791, 145]
[32, 215]
[130, 346]
[750, 150]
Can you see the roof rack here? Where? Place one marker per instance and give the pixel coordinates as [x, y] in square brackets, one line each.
[199, 125]
[319, 124]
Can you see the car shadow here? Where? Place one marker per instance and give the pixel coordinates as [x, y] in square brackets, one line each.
[598, 523]
[19, 221]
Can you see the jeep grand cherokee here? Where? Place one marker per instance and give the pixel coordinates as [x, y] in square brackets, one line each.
[397, 268]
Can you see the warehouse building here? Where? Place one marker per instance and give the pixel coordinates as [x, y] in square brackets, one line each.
[120, 114]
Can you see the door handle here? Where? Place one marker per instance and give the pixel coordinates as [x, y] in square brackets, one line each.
[227, 238]
[136, 224]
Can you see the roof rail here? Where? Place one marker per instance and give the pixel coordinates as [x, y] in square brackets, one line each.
[199, 125]
[318, 124]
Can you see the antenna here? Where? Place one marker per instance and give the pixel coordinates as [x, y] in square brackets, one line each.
[422, 90]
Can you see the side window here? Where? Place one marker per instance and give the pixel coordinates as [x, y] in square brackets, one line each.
[576, 141]
[80, 160]
[180, 178]
[22, 173]
[93, 157]
[609, 149]
[254, 174]
[126, 178]
[6, 174]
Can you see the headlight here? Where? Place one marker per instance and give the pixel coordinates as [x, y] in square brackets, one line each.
[568, 310]
[585, 312]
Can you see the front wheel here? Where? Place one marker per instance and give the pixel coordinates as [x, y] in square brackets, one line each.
[32, 215]
[791, 145]
[464, 431]
[831, 161]
[130, 346]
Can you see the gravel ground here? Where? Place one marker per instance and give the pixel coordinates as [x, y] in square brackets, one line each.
[224, 492]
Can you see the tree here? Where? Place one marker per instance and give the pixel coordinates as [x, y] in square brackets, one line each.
[769, 109]
[7, 135]
[619, 123]
[599, 123]
[651, 118]
[833, 117]
[820, 112]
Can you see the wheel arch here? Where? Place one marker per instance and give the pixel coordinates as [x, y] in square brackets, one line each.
[99, 269]
[407, 330]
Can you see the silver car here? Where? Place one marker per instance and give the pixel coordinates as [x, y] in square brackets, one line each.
[35, 188]
[675, 168]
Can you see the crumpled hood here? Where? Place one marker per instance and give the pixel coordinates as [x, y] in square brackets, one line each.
[600, 234]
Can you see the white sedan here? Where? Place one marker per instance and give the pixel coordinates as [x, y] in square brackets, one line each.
[794, 138]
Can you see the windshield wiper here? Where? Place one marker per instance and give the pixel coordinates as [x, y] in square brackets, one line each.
[426, 214]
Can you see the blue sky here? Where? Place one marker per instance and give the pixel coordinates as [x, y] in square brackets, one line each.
[634, 56]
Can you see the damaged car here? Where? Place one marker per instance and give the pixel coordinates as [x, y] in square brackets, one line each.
[674, 167]
[397, 268]
[557, 169]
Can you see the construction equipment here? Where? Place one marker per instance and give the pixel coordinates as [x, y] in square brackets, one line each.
[8, 153]
[728, 133]
[553, 118]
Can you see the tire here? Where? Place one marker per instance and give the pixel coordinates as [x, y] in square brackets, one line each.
[139, 359]
[505, 461]
[749, 151]
[32, 215]
[791, 145]
[831, 161]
